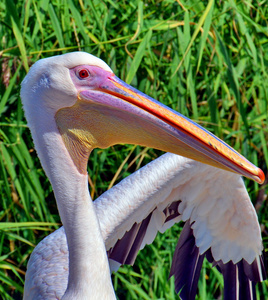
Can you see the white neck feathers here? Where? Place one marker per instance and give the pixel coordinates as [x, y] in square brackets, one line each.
[89, 275]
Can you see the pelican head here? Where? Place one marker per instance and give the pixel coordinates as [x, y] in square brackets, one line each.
[78, 96]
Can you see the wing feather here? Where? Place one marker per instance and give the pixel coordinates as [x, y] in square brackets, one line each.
[186, 264]
[221, 224]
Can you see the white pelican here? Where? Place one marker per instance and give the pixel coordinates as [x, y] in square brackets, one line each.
[74, 103]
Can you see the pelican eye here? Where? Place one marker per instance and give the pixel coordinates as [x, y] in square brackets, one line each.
[84, 73]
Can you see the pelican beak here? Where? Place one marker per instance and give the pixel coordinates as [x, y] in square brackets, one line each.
[109, 111]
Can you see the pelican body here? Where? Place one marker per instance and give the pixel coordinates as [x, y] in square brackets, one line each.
[74, 103]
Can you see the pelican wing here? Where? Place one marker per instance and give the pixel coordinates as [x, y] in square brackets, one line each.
[47, 270]
[220, 224]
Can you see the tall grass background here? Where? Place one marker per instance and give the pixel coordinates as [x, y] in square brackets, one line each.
[205, 59]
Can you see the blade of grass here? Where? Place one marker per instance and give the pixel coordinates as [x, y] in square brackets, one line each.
[197, 29]
[138, 57]
[56, 25]
[21, 225]
[8, 91]
[21, 44]
[231, 74]
[204, 36]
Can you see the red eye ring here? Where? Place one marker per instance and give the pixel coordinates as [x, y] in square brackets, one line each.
[83, 73]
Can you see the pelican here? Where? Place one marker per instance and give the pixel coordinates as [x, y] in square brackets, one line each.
[74, 103]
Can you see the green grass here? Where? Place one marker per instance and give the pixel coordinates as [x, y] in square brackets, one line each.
[207, 60]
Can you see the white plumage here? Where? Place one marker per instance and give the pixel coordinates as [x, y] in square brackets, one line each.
[165, 180]
[74, 103]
